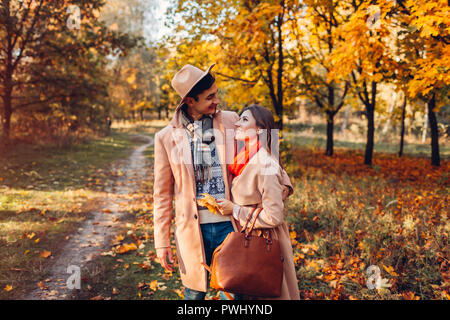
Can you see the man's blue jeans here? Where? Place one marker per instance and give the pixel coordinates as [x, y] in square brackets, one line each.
[213, 235]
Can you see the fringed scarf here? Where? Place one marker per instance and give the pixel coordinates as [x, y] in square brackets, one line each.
[201, 137]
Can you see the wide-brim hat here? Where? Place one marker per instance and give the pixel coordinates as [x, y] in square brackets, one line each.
[185, 79]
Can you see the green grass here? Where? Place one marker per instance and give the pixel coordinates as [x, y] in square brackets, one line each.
[51, 168]
[45, 192]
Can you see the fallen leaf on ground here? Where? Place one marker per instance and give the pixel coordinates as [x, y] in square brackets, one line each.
[31, 236]
[46, 254]
[119, 238]
[42, 286]
[15, 269]
[154, 285]
[179, 292]
[53, 293]
[143, 286]
[126, 247]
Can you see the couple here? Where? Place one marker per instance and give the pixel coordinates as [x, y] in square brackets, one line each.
[190, 159]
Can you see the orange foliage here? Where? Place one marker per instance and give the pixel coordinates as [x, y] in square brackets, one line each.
[392, 215]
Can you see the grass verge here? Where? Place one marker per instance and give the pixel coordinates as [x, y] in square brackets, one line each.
[45, 192]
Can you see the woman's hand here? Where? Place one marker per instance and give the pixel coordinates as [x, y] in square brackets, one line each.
[226, 206]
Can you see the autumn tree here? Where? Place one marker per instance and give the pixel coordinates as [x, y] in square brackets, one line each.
[252, 41]
[363, 56]
[53, 54]
[313, 30]
[134, 87]
[425, 50]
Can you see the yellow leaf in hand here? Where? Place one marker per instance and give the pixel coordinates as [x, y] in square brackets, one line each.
[209, 202]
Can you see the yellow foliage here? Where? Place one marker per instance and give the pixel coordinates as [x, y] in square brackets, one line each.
[209, 202]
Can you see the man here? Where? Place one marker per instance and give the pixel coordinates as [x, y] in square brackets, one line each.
[191, 158]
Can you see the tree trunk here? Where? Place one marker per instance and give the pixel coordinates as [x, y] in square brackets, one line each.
[402, 132]
[279, 123]
[330, 127]
[6, 121]
[7, 111]
[370, 109]
[435, 158]
[370, 114]
[8, 82]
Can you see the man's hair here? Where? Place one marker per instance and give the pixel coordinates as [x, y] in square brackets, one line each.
[204, 84]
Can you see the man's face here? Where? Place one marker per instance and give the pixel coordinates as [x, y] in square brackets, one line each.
[206, 102]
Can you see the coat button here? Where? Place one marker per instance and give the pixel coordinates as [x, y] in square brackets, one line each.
[195, 216]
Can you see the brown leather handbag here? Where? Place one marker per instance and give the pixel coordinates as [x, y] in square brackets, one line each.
[247, 263]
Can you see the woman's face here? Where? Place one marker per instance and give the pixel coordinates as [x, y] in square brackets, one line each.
[246, 127]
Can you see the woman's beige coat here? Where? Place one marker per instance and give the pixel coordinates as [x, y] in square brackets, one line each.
[174, 179]
[260, 183]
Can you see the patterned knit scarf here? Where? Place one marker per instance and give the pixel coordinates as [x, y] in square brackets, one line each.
[201, 137]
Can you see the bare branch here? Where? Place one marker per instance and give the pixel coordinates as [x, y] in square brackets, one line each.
[237, 78]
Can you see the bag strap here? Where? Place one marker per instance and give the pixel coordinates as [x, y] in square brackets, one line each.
[248, 219]
[258, 211]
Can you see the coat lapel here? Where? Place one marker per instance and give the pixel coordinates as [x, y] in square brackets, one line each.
[183, 146]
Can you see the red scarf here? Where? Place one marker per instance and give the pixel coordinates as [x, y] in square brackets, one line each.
[243, 157]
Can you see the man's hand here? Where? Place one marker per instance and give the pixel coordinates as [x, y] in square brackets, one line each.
[163, 254]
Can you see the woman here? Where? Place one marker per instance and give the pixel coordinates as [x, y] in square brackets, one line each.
[257, 181]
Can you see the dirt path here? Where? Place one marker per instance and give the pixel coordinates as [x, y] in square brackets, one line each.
[94, 234]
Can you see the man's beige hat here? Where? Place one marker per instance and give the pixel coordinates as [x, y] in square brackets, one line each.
[185, 79]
